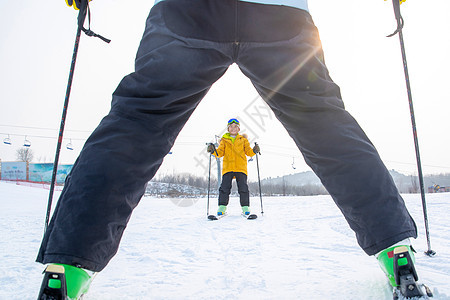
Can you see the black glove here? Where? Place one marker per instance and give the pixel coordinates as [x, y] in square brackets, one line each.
[256, 148]
[210, 148]
[76, 4]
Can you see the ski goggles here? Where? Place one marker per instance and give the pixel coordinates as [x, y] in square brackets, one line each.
[235, 121]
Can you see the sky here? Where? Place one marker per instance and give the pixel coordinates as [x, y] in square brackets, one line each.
[36, 47]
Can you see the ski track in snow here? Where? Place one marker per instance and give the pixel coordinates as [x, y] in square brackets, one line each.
[302, 248]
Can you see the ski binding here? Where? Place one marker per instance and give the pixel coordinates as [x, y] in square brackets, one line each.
[54, 284]
[406, 277]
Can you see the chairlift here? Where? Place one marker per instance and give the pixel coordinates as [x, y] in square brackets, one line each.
[26, 143]
[7, 140]
[69, 145]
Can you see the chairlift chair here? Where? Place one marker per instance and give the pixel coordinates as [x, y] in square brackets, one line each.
[69, 145]
[7, 140]
[26, 143]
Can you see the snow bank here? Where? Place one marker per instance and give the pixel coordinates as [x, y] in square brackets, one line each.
[301, 248]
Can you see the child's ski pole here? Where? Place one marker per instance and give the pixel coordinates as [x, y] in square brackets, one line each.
[209, 176]
[259, 180]
[209, 182]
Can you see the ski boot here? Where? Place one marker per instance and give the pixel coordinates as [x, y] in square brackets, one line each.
[246, 210]
[246, 213]
[398, 264]
[64, 282]
[222, 210]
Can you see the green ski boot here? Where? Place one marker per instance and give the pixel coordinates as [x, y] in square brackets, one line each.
[246, 210]
[386, 261]
[64, 282]
[222, 210]
[397, 263]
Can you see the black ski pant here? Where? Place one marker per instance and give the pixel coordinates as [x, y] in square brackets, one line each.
[188, 45]
[225, 188]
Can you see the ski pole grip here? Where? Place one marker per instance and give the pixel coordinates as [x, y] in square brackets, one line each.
[256, 144]
[215, 150]
[398, 17]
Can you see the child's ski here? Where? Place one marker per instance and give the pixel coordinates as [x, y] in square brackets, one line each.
[250, 217]
[216, 217]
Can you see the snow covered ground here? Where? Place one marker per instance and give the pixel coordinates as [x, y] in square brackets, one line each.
[301, 248]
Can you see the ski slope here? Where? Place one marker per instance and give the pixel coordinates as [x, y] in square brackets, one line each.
[301, 248]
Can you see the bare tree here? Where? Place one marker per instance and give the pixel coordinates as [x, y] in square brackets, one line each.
[414, 185]
[24, 154]
[42, 159]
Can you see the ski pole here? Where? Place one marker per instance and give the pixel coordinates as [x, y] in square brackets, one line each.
[84, 9]
[209, 175]
[399, 30]
[209, 183]
[259, 181]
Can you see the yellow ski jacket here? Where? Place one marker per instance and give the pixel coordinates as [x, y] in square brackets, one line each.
[234, 153]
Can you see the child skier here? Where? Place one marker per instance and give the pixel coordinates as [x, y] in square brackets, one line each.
[233, 148]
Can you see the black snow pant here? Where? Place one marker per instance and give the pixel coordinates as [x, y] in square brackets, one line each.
[225, 188]
[187, 46]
